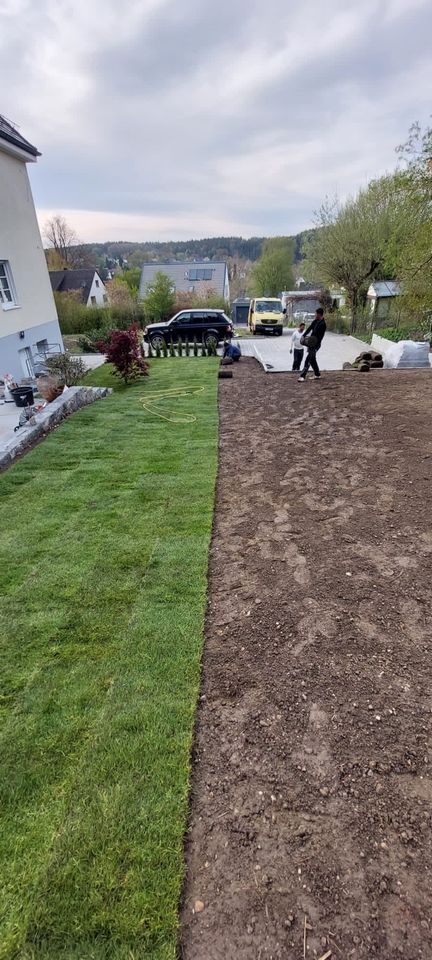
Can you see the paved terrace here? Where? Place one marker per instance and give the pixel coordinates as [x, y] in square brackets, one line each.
[274, 352]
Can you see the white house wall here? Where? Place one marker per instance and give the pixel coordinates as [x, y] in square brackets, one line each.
[12, 347]
[21, 246]
[97, 292]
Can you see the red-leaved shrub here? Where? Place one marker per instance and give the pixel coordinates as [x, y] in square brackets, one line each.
[123, 350]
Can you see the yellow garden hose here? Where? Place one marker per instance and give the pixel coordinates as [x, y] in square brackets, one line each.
[151, 400]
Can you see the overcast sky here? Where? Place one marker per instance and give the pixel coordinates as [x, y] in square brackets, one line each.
[171, 119]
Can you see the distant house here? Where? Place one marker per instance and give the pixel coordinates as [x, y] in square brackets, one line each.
[382, 296]
[198, 276]
[338, 298]
[92, 290]
[301, 303]
[29, 323]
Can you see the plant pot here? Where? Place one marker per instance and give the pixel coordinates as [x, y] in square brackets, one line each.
[23, 396]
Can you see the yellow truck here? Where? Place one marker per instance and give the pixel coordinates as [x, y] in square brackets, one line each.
[266, 313]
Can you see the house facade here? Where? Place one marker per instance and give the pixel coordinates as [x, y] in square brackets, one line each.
[28, 317]
[86, 282]
[301, 303]
[198, 276]
[383, 300]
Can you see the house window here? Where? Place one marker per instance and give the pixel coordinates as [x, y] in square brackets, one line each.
[8, 297]
[93, 301]
[199, 274]
[42, 346]
[97, 282]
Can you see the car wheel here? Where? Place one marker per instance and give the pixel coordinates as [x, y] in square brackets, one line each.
[157, 340]
[211, 340]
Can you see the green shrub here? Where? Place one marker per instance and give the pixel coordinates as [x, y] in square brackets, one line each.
[125, 316]
[400, 333]
[158, 351]
[195, 347]
[69, 370]
[180, 347]
[74, 317]
[88, 345]
[203, 349]
[337, 323]
[171, 349]
[187, 348]
[165, 348]
[89, 342]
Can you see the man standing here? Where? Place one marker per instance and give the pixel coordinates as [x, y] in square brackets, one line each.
[316, 332]
[297, 346]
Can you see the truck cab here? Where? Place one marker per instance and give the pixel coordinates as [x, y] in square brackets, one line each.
[266, 313]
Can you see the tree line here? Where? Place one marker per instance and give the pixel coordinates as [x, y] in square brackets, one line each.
[383, 233]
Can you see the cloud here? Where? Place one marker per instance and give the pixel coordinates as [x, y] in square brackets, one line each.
[189, 119]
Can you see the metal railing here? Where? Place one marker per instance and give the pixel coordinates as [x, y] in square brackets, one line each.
[36, 362]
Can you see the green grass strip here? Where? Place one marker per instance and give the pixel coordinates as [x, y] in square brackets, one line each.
[103, 578]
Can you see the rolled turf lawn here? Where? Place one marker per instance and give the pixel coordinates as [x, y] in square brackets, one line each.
[103, 579]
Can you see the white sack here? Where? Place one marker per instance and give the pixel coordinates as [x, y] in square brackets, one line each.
[407, 353]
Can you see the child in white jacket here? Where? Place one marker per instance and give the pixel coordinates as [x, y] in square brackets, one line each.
[296, 346]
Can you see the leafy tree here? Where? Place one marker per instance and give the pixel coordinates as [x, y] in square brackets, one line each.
[273, 272]
[414, 254]
[132, 278]
[160, 298]
[356, 239]
[119, 293]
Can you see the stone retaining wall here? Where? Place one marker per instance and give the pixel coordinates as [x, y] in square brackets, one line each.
[47, 420]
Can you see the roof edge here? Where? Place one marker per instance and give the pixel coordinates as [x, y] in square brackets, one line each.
[17, 140]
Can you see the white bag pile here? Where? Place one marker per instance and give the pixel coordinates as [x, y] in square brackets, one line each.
[407, 353]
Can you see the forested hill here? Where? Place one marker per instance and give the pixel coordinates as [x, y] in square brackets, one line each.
[215, 248]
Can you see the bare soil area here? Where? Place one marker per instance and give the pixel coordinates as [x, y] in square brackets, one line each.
[310, 831]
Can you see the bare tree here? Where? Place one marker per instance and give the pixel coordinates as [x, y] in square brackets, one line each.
[64, 248]
[354, 245]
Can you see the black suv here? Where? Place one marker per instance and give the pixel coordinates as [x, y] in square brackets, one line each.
[209, 326]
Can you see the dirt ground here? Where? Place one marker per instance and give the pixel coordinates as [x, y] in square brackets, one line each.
[311, 799]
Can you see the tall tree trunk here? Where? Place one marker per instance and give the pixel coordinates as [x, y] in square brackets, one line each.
[354, 308]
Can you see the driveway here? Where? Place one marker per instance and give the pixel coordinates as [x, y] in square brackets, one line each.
[91, 361]
[274, 352]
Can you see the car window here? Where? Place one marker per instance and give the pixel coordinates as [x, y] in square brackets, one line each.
[198, 318]
[183, 318]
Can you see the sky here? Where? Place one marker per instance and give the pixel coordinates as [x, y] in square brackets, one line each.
[173, 119]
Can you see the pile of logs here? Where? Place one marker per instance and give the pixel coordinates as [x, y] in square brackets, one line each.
[368, 360]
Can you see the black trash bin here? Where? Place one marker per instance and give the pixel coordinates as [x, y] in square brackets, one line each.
[23, 396]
